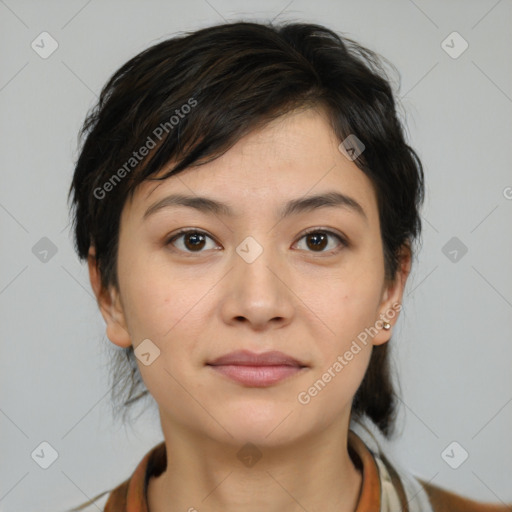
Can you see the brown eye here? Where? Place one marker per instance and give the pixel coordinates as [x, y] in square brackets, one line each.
[192, 240]
[318, 240]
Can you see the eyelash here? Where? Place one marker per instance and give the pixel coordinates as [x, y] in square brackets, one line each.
[185, 231]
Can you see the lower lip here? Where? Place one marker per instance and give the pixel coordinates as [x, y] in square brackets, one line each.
[257, 376]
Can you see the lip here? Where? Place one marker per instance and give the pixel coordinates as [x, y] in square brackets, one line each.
[257, 370]
[248, 358]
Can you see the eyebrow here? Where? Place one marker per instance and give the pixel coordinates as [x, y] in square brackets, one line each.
[292, 207]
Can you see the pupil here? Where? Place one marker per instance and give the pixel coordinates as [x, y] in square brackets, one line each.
[196, 236]
[316, 236]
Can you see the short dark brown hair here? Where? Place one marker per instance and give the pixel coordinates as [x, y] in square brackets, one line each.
[190, 98]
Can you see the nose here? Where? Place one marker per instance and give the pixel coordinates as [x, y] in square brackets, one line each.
[256, 290]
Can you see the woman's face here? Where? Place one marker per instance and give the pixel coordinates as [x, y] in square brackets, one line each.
[254, 280]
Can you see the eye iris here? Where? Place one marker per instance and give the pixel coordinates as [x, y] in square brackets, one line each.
[196, 237]
[316, 237]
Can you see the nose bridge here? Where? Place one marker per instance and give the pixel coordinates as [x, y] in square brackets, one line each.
[258, 290]
[255, 261]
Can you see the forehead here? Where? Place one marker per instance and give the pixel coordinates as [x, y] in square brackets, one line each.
[292, 156]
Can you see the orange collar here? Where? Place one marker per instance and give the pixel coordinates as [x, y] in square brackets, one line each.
[131, 495]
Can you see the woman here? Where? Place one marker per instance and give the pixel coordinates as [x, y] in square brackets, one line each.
[248, 206]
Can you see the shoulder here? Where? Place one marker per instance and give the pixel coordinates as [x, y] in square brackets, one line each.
[118, 498]
[443, 500]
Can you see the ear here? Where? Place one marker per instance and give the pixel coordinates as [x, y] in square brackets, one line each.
[110, 305]
[391, 302]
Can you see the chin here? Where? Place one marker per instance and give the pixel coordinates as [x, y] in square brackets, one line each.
[262, 423]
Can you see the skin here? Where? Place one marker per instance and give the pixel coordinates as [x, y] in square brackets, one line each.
[308, 302]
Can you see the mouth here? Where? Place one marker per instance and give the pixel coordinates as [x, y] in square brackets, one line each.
[257, 370]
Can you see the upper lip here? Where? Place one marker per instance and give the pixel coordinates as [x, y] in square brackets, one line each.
[247, 358]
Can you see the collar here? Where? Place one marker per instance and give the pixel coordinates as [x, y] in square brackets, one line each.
[131, 495]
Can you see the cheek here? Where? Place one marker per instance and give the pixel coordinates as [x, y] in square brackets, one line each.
[166, 309]
[170, 310]
[349, 349]
[342, 357]
[349, 305]
[170, 315]
[156, 298]
[349, 310]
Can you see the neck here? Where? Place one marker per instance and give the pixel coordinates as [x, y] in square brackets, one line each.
[309, 474]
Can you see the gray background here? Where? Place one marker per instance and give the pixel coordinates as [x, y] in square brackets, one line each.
[453, 344]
